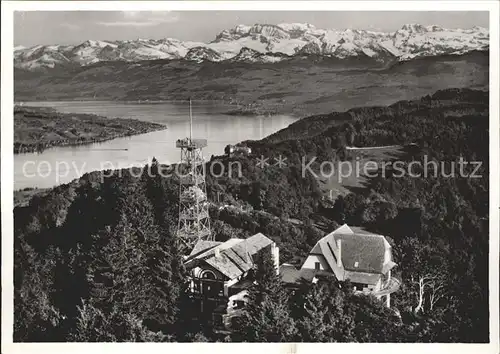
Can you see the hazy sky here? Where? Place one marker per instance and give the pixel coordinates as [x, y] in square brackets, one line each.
[73, 27]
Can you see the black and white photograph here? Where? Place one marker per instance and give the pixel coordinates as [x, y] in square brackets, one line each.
[267, 174]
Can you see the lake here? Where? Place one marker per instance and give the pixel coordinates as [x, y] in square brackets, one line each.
[63, 164]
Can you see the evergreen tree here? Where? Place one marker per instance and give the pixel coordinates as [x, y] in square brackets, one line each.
[323, 318]
[267, 315]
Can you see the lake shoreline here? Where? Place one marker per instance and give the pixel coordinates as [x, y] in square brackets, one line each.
[37, 129]
[62, 164]
[240, 109]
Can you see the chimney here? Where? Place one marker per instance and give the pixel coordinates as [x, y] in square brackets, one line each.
[339, 258]
[275, 253]
[217, 252]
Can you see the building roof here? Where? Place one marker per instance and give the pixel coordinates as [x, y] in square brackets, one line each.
[201, 246]
[388, 266]
[253, 244]
[360, 252]
[361, 230]
[231, 258]
[207, 251]
[291, 275]
[362, 277]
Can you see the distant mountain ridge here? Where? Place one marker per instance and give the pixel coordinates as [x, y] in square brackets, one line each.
[266, 43]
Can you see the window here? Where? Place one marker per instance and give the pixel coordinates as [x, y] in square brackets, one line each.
[359, 286]
[209, 285]
[317, 265]
[207, 274]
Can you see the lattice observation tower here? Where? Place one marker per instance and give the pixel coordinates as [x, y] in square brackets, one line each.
[194, 220]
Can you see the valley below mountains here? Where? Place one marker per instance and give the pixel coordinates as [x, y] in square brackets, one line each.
[298, 86]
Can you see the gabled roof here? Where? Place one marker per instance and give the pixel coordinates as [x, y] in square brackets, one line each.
[360, 251]
[202, 246]
[254, 244]
[211, 250]
[234, 256]
[227, 265]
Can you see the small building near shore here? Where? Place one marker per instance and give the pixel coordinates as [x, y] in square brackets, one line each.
[238, 149]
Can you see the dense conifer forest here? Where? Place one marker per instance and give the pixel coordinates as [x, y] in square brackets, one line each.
[98, 259]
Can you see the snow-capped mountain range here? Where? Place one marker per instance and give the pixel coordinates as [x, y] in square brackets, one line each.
[266, 43]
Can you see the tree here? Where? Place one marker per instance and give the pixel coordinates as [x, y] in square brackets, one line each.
[95, 326]
[167, 278]
[374, 322]
[350, 134]
[338, 210]
[267, 315]
[431, 288]
[425, 276]
[323, 318]
[36, 319]
[91, 325]
[139, 271]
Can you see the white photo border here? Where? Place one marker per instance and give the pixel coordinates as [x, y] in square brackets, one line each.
[7, 183]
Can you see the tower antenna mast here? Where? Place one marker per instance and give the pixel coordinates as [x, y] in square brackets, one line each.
[190, 120]
[194, 221]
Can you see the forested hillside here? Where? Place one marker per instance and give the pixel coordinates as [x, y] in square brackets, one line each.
[301, 87]
[98, 260]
